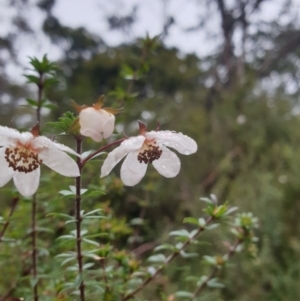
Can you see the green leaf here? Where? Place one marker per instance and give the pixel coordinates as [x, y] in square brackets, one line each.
[213, 226]
[209, 259]
[92, 212]
[188, 255]
[67, 260]
[64, 123]
[159, 258]
[78, 280]
[50, 81]
[181, 233]
[183, 294]
[88, 265]
[32, 102]
[230, 210]
[67, 254]
[50, 106]
[66, 193]
[213, 283]
[137, 221]
[104, 234]
[60, 215]
[66, 237]
[164, 247]
[32, 79]
[201, 222]
[44, 229]
[207, 200]
[33, 281]
[91, 242]
[191, 220]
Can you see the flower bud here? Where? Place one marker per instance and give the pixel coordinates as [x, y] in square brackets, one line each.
[96, 123]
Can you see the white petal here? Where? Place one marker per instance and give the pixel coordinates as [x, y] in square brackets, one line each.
[132, 171]
[27, 183]
[42, 142]
[168, 165]
[60, 162]
[114, 157]
[109, 127]
[182, 143]
[87, 132]
[6, 172]
[91, 118]
[9, 136]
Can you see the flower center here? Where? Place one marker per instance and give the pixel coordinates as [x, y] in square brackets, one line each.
[149, 153]
[22, 159]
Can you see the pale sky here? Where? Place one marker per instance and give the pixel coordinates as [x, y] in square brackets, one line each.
[151, 13]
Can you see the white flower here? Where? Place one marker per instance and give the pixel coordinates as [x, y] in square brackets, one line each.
[96, 123]
[149, 147]
[21, 155]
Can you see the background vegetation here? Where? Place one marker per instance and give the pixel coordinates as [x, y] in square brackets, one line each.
[240, 106]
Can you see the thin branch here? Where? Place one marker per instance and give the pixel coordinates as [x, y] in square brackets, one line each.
[12, 209]
[34, 200]
[167, 261]
[79, 219]
[34, 248]
[40, 97]
[100, 150]
[214, 270]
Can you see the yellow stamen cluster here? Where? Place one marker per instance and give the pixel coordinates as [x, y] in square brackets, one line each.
[150, 154]
[22, 159]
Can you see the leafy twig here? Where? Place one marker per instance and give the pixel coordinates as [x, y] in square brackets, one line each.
[12, 209]
[214, 270]
[168, 260]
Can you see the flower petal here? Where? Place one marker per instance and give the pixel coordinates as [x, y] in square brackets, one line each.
[168, 165]
[42, 142]
[132, 171]
[97, 124]
[109, 127]
[114, 157]
[27, 183]
[182, 143]
[9, 136]
[6, 172]
[59, 162]
[88, 132]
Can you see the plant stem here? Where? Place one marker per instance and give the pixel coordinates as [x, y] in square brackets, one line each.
[214, 270]
[167, 261]
[34, 248]
[40, 97]
[34, 200]
[131, 83]
[100, 150]
[12, 209]
[79, 218]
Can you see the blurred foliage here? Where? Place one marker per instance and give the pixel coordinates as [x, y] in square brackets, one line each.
[245, 121]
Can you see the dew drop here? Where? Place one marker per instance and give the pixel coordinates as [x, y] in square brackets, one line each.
[187, 152]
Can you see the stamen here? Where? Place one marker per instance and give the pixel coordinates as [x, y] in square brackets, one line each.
[22, 159]
[150, 154]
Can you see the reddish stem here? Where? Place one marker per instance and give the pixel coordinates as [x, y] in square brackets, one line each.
[79, 219]
[83, 162]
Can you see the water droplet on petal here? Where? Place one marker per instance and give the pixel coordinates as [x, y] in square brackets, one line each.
[187, 152]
